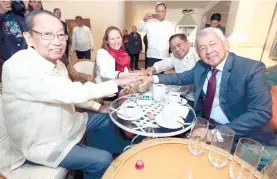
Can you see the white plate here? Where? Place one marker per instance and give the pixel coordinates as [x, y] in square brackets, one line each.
[139, 114]
[168, 118]
[172, 125]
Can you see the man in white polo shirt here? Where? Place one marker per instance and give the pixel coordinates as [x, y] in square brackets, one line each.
[158, 32]
[82, 40]
[182, 58]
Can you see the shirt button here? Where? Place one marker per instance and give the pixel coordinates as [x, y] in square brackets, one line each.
[18, 45]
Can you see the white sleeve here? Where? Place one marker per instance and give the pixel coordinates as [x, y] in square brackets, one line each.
[90, 39]
[156, 79]
[55, 89]
[172, 29]
[106, 64]
[74, 40]
[142, 26]
[163, 65]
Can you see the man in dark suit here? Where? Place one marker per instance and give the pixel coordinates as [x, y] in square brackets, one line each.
[229, 90]
[134, 47]
[58, 13]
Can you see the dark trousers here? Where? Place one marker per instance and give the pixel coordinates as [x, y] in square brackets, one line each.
[134, 61]
[83, 54]
[151, 61]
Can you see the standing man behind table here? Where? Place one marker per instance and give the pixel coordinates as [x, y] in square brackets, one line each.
[58, 13]
[158, 32]
[82, 40]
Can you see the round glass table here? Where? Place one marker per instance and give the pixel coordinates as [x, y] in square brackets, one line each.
[144, 126]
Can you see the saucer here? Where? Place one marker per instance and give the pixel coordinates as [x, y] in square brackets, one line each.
[170, 116]
[138, 114]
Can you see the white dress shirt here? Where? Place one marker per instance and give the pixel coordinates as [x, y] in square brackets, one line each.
[82, 39]
[105, 66]
[38, 107]
[216, 113]
[158, 34]
[180, 65]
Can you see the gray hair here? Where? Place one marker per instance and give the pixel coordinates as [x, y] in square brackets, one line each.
[209, 30]
[29, 18]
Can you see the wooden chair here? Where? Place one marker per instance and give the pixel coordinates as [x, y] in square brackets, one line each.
[82, 71]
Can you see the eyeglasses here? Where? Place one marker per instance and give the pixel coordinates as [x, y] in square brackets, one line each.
[180, 45]
[51, 36]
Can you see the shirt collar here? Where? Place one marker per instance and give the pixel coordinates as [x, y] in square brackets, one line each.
[221, 65]
[45, 64]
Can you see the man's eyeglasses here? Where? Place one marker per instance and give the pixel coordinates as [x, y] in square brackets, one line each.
[180, 45]
[51, 36]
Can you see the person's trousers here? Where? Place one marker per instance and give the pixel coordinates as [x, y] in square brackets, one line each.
[134, 58]
[83, 54]
[103, 139]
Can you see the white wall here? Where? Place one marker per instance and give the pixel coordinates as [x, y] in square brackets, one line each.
[102, 14]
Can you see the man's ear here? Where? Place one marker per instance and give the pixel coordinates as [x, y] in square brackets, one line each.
[226, 45]
[28, 38]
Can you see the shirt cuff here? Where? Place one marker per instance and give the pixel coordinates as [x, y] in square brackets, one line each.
[155, 79]
[156, 68]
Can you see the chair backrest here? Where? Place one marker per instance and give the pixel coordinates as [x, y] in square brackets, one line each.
[85, 66]
[273, 121]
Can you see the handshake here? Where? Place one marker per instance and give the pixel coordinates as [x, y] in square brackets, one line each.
[136, 79]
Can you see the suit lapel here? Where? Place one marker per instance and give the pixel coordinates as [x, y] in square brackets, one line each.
[225, 77]
[200, 84]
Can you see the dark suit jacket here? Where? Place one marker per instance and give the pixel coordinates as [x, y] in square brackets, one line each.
[134, 45]
[244, 95]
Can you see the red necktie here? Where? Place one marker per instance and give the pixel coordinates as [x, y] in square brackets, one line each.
[209, 99]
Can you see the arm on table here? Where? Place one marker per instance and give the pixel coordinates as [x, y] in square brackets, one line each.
[55, 89]
[163, 65]
[184, 78]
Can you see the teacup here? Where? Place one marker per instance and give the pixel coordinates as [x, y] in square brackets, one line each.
[174, 97]
[158, 91]
[130, 110]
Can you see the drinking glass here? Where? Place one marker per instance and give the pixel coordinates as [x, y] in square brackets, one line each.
[246, 159]
[221, 146]
[198, 134]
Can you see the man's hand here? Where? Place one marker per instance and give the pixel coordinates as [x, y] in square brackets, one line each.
[147, 16]
[104, 109]
[146, 81]
[126, 73]
[2, 176]
[150, 71]
[126, 80]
